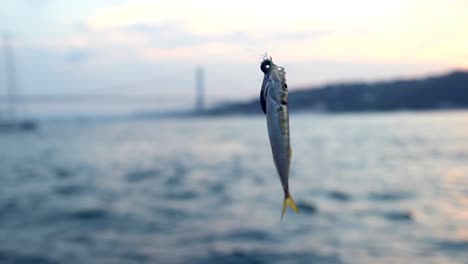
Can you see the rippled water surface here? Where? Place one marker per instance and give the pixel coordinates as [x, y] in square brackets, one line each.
[372, 188]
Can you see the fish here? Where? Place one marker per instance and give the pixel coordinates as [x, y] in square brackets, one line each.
[274, 103]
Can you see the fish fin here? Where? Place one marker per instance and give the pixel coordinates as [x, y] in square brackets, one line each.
[288, 201]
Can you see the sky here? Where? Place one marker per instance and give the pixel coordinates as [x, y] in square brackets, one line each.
[153, 47]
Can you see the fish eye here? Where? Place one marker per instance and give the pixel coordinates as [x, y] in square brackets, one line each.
[265, 66]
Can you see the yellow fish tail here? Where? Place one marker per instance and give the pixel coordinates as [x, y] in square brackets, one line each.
[288, 201]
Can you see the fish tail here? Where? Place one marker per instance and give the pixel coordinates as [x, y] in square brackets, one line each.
[288, 201]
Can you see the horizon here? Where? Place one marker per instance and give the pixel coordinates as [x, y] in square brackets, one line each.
[79, 100]
[122, 100]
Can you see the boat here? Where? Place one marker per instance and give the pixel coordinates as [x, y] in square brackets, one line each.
[9, 122]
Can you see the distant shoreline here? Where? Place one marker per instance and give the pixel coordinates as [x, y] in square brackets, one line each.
[433, 93]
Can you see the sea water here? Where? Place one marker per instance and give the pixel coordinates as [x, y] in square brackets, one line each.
[371, 188]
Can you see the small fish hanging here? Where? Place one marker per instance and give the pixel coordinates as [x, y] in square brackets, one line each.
[274, 103]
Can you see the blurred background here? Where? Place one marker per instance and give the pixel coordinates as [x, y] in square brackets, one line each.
[130, 132]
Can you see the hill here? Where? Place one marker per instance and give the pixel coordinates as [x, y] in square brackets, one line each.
[449, 91]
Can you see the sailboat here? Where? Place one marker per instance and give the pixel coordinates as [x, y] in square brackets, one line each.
[9, 121]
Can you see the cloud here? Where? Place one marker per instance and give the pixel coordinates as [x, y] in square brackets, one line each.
[166, 35]
[170, 41]
[78, 55]
[37, 3]
[175, 35]
[152, 28]
[374, 31]
[300, 35]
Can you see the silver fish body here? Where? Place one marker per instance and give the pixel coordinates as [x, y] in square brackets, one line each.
[278, 124]
[275, 106]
